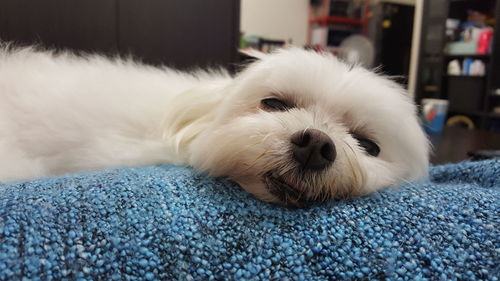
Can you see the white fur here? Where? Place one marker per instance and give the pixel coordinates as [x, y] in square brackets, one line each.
[61, 113]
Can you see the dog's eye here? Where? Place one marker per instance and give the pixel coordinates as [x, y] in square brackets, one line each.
[276, 104]
[370, 147]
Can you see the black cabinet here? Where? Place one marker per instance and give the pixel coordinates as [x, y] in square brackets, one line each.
[88, 25]
[180, 33]
[430, 70]
[472, 96]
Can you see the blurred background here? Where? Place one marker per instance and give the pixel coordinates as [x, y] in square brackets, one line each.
[445, 52]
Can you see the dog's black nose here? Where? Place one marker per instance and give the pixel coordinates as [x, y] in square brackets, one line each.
[313, 149]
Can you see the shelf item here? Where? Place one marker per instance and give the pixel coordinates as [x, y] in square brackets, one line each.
[469, 47]
[467, 67]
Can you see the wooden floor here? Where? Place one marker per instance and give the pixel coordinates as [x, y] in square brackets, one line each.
[454, 144]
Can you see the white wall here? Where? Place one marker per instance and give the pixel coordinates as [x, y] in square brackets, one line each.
[276, 19]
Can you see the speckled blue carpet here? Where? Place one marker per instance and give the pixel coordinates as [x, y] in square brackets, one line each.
[167, 223]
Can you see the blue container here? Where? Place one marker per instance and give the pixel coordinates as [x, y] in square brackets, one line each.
[434, 114]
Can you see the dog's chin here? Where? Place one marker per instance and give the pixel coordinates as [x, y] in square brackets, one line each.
[291, 191]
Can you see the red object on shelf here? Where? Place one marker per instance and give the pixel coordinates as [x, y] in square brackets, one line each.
[319, 14]
[483, 43]
[326, 20]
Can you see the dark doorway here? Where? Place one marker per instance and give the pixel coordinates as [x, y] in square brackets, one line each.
[396, 38]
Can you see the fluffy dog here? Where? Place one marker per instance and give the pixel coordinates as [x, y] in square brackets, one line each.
[295, 127]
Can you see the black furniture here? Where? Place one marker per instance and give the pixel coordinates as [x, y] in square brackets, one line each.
[394, 39]
[474, 97]
[183, 34]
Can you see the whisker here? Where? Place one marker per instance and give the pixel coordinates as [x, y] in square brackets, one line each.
[407, 182]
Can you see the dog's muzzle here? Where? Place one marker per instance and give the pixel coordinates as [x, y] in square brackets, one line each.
[312, 151]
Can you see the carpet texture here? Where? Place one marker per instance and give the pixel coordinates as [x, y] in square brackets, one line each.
[168, 223]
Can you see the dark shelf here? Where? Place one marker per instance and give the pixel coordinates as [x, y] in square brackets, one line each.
[463, 112]
[465, 76]
[472, 56]
[471, 1]
[495, 115]
[472, 96]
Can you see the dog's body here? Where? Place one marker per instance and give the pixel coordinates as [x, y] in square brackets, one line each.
[62, 113]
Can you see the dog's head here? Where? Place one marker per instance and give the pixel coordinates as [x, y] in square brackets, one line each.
[298, 127]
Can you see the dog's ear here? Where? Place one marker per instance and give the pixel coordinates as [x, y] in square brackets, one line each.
[246, 58]
[252, 53]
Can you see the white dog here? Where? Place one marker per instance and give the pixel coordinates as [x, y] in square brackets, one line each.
[295, 127]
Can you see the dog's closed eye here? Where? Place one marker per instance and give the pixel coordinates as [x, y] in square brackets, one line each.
[275, 104]
[368, 145]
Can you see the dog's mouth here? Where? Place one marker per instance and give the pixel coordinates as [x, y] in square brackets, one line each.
[290, 191]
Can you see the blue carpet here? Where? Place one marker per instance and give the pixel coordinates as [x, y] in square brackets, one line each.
[168, 223]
